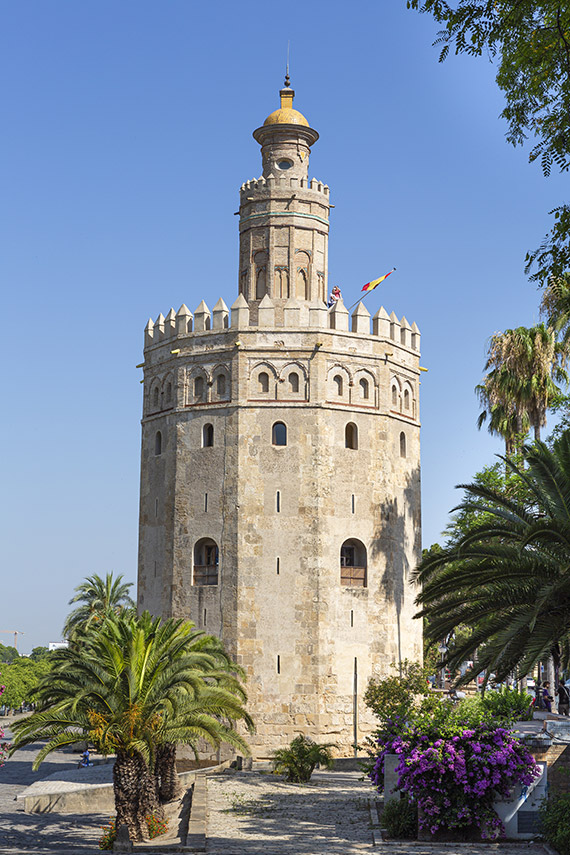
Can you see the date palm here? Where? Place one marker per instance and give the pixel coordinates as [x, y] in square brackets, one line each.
[507, 578]
[133, 687]
[524, 366]
[99, 598]
[297, 762]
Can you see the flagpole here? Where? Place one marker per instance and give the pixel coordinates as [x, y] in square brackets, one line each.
[360, 299]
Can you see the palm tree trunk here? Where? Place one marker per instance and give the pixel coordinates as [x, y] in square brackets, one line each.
[537, 431]
[135, 794]
[169, 787]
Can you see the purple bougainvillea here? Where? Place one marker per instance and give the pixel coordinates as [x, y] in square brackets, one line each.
[455, 778]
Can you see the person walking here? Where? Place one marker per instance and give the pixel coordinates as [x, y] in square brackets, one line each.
[546, 696]
[563, 699]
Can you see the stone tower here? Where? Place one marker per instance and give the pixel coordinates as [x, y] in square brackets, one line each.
[280, 479]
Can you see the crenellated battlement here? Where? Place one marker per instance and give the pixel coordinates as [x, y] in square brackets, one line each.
[286, 182]
[296, 315]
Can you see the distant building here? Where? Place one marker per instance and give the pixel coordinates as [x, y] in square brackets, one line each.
[280, 469]
[56, 645]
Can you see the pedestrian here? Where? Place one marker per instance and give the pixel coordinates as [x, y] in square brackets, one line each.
[335, 296]
[563, 699]
[538, 701]
[546, 696]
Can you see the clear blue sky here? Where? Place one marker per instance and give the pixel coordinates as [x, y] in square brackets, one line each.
[126, 135]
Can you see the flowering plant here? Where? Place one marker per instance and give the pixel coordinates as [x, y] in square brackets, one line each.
[455, 775]
[3, 745]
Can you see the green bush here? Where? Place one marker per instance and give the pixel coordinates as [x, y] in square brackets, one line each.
[299, 760]
[555, 822]
[508, 705]
[400, 818]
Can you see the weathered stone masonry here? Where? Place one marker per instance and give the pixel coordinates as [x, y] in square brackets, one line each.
[280, 482]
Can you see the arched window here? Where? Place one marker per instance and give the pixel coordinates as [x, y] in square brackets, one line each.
[263, 380]
[279, 434]
[155, 397]
[364, 388]
[221, 385]
[302, 284]
[158, 443]
[260, 260]
[402, 444]
[293, 382]
[208, 436]
[206, 559]
[351, 436]
[394, 396]
[353, 564]
[198, 387]
[337, 380]
[169, 392]
[406, 399]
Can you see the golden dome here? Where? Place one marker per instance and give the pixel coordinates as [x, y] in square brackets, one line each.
[286, 115]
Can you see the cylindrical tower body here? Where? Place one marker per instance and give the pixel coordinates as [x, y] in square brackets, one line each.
[280, 477]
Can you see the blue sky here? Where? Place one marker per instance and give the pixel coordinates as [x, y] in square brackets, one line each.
[126, 135]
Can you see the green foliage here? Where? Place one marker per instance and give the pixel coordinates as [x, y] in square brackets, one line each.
[555, 822]
[39, 653]
[400, 818]
[100, 599]
[508, 705]
[505, 577]
[8, 654]
[398, 697]
[21, 678]
[298, 761]
[529, 40]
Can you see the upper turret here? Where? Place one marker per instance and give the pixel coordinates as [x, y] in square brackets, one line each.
[286, 139]
[284, 217]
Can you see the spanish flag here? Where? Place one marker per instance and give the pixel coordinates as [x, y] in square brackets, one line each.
[370, 286]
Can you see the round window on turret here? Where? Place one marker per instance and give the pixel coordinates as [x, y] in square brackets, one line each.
[284, 164]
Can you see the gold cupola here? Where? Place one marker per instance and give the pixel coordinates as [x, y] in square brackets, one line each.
[286, 115]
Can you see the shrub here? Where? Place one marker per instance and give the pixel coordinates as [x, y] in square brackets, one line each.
[400, 818]
[155, 825]
[299, 760]
[454, 776]
[509, 705]
[555, 822]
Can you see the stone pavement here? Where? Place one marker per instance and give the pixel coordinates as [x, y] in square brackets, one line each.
[72, 834]
[249, 813]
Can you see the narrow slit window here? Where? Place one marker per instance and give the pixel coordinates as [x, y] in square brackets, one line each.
[278, 664]
[263, 380]
[353, 504]
[364, 389]
[402, 444]
[278, 501]
[155, 568]
[221, 385]
[205, 616]
[352, 617]
[205, 503]
[394, 396]
[337, 380]
[158, 443]
[156, 507]
[278, 565]
[406, 399]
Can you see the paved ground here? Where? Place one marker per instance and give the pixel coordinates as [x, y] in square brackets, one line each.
[250, 813]
[41, 833]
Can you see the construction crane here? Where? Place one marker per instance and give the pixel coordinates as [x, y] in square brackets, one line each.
[16, 632]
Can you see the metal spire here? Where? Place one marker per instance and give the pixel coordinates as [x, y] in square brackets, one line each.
[287, 79]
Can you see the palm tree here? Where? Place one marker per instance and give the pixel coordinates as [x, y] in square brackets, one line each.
[99, 598]
[131, 688]
[298, 761]
[507, 578]
[555, 306]
[523, 365]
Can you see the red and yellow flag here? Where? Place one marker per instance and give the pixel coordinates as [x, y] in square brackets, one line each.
[370, 286]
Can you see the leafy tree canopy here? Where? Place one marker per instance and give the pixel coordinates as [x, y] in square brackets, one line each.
[530, 39]
[8, 654]
[39, 653]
